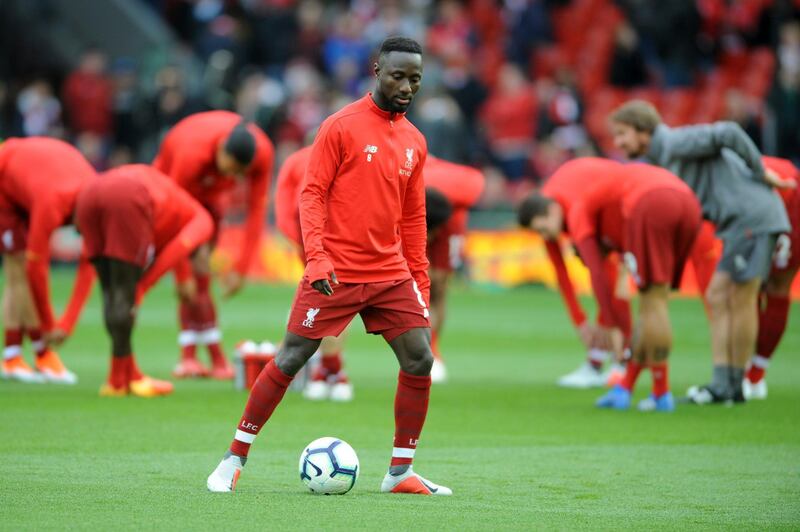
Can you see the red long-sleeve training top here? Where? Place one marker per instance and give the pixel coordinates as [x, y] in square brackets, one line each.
[287, 194]
[188, 155]
[41, 177]
[362, 205]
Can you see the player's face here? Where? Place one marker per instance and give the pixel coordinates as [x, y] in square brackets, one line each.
[549, 225]
[227, 165]
[632, 142]
[399, 78]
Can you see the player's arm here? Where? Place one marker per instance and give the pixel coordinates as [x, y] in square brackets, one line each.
[197, 231]
[256, 209]
[286, 206]
[413, 231]
[84, 281]
[708, 140]
[44, 219]
[326, 156]
[565, 286]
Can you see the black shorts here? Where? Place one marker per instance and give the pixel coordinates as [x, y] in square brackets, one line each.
[748, 257]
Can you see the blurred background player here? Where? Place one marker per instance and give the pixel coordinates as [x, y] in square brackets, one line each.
[774, 304]
[206, 154]
[136, 225]
[39, 181]
[623, 210]
[362, 213]
[328, 379]
[565, 193]
[461, 186]
[724, 169]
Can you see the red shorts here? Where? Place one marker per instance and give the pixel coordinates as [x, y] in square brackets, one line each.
[444, 251]
[660, 234]
[389, 308]
[13, 228]
[115, 218]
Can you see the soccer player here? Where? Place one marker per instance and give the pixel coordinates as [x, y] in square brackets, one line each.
[329, 380]
[462, 186]
[362, 213]
[775, 293]
[39, 180]
[136, 224]
[724, 169]
[206, 154]
[652, 218]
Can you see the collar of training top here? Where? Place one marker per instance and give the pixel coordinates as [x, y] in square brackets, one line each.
[388, 115]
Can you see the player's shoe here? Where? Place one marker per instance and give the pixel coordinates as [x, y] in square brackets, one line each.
[438, 371]
[705, 395]
[108, 390]
[341, 390]
[223, 479]
[664, 403]
[586, 376]
[150, 387]
[410, 482]
[52, 369]
[190, 368]
[317, 388]
[617, 398]
[222, 372]
[614, 374]
[18, 370]
[754, 391]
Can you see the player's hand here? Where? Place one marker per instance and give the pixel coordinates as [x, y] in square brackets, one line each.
[772, 177]
[324, 287]
[586, 334]
[187, 290]
[232, 282]
[55, 337]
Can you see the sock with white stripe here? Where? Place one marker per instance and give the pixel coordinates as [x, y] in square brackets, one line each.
[13, 345]
[410, 410]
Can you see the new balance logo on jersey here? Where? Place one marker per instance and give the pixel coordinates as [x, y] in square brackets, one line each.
[370, 150]
[310, 316]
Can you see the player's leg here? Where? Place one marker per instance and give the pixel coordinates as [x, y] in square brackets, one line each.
[118, 280]
[48, 363]
[193, 317]
[744, 331]
[15, 290]
[773, 317]
[329, 380]
[266, 393]
[440, 279]
[413, 352]
[655, 342]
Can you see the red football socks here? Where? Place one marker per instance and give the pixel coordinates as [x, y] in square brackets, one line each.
[410, 409]
[37, 343]
[660, 374]
[632, 370]
[13, 343]
[332, 363]
[267, 392]
[772, 320]
[119, 375]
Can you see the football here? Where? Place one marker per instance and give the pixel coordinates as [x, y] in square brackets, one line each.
[329, 466]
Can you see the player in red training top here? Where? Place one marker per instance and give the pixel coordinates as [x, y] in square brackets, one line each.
[650, 216]
[362, 212]
[462, 186]
[137, 224]
[328, 380]
[775, 293]
[39, 180]
[206, 154]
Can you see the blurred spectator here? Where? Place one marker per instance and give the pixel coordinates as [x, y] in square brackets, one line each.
[530, 27]
[40, 110]
[125, 101]
[509, 116]
[451, 36]
[784, 103]
[439, 119]
[393, 18]
[742, 110]
[346, 53]
[88, 95]
[628, 68]
[310, 31]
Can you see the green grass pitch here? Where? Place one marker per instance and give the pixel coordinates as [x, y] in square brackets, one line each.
[518, 452]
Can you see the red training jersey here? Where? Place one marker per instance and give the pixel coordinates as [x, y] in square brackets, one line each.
[41, 177]
[188, 155]
[362, 204]
[287, 194]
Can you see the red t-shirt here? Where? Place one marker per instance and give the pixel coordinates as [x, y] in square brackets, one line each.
[41, 177]
[188, 155]
[287, 194]
[362, 205]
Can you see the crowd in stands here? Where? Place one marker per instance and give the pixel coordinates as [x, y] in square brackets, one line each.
[515, 87]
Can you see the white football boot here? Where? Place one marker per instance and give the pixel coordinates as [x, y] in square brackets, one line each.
[410, 482]
[438, 372]
[341, 392]
[586, 376]
[757, 391]
[223, 479]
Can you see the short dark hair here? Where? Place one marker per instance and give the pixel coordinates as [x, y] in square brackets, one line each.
[241, 144]
[400, 44]
[531, 207]
[639, 114]
[437, 208]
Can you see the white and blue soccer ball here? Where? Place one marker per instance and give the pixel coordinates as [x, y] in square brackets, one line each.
[329, 466]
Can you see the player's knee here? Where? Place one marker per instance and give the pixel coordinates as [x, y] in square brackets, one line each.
[717, 299]
[418, 361]
[294, 353]
[118, 317]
